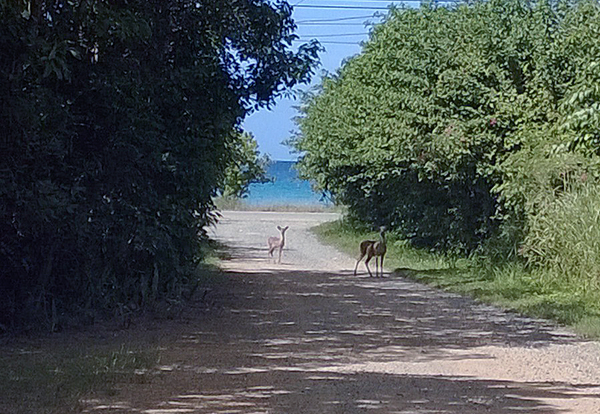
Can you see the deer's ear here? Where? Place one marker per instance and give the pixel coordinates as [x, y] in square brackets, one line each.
[278, 227]
[286, 227]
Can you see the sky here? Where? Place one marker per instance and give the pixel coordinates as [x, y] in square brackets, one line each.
[340, 26]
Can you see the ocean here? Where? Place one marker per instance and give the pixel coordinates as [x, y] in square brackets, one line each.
[286, 189]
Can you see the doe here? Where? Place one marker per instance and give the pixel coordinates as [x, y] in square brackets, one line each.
[373, 248]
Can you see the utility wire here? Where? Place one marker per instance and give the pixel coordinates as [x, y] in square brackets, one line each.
[364, 2]
[340, 43]
[335, 20]
[345, 7]
[362, 5]
[336, 35]
[327, 6]
[334, 24]
[378, 2]
[332, 42]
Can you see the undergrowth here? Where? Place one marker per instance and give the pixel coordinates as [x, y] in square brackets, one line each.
[48, 380]
[55, 374]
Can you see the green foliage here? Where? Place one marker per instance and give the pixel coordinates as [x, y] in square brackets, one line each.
[247, 166]
[117, 122]
[445, 125]
[564, 236]
[581, 112]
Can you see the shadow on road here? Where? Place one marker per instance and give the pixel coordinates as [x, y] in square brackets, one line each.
[283, 341]
[308, 392]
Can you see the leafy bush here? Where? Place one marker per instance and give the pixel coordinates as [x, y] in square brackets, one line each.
[444, 125]
[117, 124]
[247, 166]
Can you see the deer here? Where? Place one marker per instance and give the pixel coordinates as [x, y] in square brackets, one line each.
[277, 242]
[373, 248]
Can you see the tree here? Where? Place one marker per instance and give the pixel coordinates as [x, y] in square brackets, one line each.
[247, 167]
[117, 120]
[421, 131]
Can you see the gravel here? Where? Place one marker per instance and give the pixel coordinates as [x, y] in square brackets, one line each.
[307, 336]
[509, 348]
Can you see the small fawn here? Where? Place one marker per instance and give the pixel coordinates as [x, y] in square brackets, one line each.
[278, 242]
[373, 248]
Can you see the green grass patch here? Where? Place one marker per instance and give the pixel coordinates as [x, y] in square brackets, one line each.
[344, 237]
[49, 379]
[536, 293]
[52, 374]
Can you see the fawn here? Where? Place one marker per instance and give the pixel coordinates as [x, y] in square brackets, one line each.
[277, 242]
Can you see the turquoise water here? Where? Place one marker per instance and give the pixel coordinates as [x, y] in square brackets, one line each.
[285, 189]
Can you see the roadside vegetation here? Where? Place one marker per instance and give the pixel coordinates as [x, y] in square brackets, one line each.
[34, 380]
[68, 371]
[473, 131]
[240, 205]
[120, 123]
[535, 292]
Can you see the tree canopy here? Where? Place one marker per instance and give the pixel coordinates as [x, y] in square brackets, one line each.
[448, 121]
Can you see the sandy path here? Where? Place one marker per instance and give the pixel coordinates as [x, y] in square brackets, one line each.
[246, 233]
[307, 336]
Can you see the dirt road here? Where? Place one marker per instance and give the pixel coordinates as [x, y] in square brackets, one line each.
[306, 336]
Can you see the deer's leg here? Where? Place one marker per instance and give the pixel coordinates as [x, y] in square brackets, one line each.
[280, 250]
[367, 265]
[358, 261]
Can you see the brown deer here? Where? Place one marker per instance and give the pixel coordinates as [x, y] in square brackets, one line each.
[277, 242]
[370, 249]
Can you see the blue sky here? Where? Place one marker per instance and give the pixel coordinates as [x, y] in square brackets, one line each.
[340, 26]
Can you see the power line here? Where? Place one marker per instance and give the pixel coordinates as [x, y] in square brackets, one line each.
[377, 2]
[336, 20]
[364, 2]
[332, 42]
[340, 43]
[350, 7]
[336, 35]
[367, 2]
[347, 6]
[334, 24]
[326, 6]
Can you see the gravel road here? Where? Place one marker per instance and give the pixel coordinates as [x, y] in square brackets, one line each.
[306, 336]
[246, 233]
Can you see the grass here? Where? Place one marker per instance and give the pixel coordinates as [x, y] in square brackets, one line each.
[537, 293]
[48, 379]
[49, 374]
[565, 235]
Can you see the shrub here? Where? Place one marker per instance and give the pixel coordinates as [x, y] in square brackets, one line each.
[117, 129]
[454, 121]
[564, 236]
